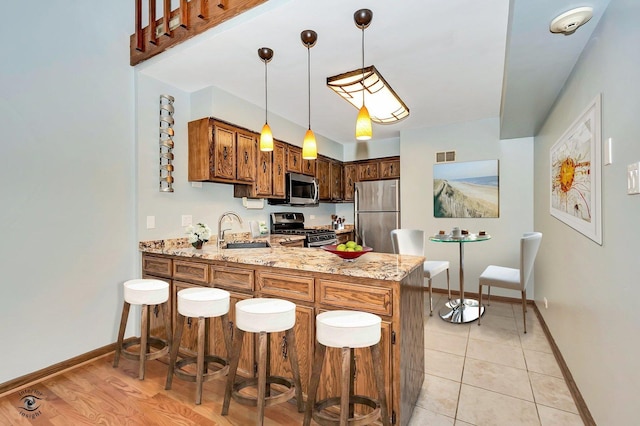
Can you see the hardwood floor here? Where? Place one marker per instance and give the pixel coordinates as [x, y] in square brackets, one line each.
[97, 393]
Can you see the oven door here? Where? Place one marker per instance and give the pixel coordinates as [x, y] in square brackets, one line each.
[321, 243]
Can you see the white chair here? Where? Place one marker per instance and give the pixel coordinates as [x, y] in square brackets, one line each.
[411, 242]
[514, 279]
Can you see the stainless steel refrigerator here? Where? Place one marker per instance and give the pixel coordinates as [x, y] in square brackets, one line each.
[377, 213]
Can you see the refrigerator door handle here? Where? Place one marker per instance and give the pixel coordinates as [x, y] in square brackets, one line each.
[356, 224]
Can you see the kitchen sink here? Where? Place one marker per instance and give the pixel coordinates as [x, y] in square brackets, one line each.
[245, 245]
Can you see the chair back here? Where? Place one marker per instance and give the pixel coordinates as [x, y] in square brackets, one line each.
[529, 244]
[408, 241]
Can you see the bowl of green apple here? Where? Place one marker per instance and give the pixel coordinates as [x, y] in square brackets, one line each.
[347, 251]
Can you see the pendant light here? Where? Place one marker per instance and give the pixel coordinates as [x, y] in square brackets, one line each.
[266, 137]
[363, 18]
[309, 147]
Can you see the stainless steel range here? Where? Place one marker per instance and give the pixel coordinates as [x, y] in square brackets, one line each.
[293, 224]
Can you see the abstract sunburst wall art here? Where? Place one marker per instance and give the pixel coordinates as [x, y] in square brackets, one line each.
[575, 174]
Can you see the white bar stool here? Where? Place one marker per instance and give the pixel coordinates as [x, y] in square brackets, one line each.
[147, 293]
[347, 330]
[201, 303]
[264, 316]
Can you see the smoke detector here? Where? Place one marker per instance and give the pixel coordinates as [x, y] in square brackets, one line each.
[569, 21]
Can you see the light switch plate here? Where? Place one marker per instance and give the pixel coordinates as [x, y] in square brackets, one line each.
[186, 220]
[151, 222]
[633, 178]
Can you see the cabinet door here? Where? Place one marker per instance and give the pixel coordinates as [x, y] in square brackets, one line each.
[294, 159]
[189, 340]
[365, 382]
[336, 181]
[390, 168]
[344, 237]
[264, 174]
[350, 179]
[309, 167]
[224, 163]
[247, 149]
[156, 320]
[280, 360]
[323, 174]
[369, 171]
[278, 166]
[247, 356]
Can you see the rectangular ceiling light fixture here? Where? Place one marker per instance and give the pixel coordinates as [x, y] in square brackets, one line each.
[384, 105]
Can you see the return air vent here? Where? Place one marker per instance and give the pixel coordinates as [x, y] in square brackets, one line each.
[445, 156]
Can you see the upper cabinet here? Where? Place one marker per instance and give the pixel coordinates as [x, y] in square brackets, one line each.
[221, 152]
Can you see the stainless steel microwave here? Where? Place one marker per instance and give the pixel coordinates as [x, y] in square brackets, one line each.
[301, 190]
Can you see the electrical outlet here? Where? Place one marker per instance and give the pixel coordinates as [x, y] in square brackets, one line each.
[151, 222]
[633, 178]
[196, 184]
[546, 303]
[186, 220]
[313, 216]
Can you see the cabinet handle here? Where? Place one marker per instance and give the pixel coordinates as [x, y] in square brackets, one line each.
[283, 347]
[295, 160]
[391, 168]
[224, 153]
[279, 169]
[355, 367]
[264, 167]
[156, 311]
[246, 157]
[231, 329]
[189, 322]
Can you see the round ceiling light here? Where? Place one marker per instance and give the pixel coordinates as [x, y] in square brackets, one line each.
[569, 21]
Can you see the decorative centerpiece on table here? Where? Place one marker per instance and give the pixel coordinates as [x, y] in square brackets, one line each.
[199, 234]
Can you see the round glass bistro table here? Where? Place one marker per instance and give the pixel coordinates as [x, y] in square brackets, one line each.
[461, 310]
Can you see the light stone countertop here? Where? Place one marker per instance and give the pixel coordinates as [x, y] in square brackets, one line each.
[381, 266]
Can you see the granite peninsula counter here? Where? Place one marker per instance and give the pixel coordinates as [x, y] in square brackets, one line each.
[387, 285]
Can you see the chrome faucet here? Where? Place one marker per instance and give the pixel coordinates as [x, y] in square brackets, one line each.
[220, 219]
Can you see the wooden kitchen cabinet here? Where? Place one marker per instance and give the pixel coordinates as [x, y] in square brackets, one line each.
[323, 174]
[344, 237]
[350, 178]
[189, 340]
[305, 339]
[278, 170]
[390, 168]
[156, 320]
[369, 170]
[336, 181]
[309, 167]
[221, 152]
[294, 159]
[365, 382]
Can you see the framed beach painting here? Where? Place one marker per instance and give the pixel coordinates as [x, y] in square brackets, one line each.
[467, 189]
[575, 161]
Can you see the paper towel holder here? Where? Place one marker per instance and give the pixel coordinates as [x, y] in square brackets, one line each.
[252, 203]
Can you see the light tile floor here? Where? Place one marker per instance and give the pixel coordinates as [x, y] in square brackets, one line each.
[492, 374]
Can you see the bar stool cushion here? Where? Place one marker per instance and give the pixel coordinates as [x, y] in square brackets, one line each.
[146, 292]
[203, 302]
[265, 314]
[351, 329]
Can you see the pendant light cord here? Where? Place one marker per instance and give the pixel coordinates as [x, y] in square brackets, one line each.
[309, 82]
[363, 86]
[266, 97]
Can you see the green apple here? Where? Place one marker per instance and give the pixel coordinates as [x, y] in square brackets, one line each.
[341, 247]
[349, 249]
[357, 248]
[351, 244]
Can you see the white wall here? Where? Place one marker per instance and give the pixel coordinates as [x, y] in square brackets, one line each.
[207, 203]
[478, 140]
[592, 289]
[67, 216]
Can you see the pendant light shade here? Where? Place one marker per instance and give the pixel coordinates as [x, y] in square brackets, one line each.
[364, 131]
[266, 137]
[363, 125]
[309, 147]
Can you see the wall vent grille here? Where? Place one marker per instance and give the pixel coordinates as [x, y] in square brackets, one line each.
[445, 156]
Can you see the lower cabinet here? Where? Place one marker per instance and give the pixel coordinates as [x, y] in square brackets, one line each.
[312, 295]
[156, 320]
